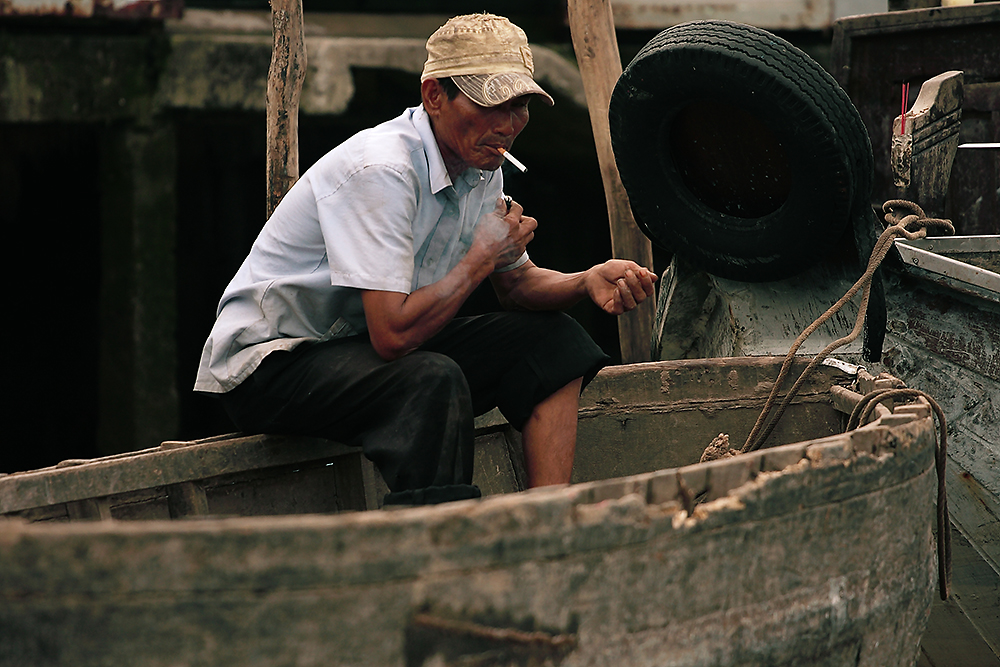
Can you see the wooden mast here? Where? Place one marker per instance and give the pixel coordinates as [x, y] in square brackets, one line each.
[284, 85]
[593, 32]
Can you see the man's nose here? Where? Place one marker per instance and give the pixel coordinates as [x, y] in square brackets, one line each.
[505, 122]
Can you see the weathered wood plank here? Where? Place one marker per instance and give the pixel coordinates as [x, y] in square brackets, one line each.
[171, 463]
[965, 630]
[700, 315]
[186, 499]
[494, 472]
[664, 414]
[90, 509]
[923, 148]
[716, 380]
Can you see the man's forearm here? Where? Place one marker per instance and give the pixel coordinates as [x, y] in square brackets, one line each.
[399, 323]
[530, 287]
[616, 286]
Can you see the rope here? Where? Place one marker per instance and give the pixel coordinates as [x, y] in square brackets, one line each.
[862, 411]
[906, 220]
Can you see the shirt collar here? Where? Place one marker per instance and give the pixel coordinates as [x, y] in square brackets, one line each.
[438, 172]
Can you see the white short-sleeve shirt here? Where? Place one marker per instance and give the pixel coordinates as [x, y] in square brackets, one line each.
[378, 212]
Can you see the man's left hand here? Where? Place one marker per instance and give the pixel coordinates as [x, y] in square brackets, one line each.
[619, 285]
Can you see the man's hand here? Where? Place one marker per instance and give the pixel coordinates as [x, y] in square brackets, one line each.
[619, 285]
[503, 234]
[399, 323]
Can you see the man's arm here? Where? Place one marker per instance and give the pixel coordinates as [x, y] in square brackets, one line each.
[399, 323]
[616, 286]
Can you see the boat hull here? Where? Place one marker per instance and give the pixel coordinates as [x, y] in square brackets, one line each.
[817, 552]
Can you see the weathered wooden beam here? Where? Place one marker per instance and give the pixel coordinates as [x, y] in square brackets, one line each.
[91, 509]
[284, 86]
[172, 463]
[186, 499]
[593, 33]
[924, 142]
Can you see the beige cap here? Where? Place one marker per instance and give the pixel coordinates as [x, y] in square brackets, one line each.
[487, 57]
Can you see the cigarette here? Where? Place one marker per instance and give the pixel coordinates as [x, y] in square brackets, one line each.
[513, 160]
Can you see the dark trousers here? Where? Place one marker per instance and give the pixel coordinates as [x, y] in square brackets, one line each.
[413, 417]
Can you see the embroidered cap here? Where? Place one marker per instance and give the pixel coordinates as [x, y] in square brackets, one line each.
[487, 57]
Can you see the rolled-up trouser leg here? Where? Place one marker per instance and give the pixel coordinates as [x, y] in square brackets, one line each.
[515, 360]
[412, 416]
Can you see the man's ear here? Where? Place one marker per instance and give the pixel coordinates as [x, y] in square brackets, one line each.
[432, 95]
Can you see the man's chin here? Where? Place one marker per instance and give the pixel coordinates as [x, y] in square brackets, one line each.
[491, 164]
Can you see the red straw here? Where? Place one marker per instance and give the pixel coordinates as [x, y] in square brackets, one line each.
[906, 95]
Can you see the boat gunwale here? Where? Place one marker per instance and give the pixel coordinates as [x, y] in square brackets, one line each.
[214, 457]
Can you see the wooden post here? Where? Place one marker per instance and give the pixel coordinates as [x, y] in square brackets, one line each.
[284, 84]
[593, 32]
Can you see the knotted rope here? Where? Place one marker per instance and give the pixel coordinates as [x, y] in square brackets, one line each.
[905, 219]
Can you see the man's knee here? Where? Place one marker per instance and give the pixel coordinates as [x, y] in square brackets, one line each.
[432, 384]
[423, 370]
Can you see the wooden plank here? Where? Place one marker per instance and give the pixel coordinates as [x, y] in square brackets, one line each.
[718, 381]
[349, 477]
[493, 471]
[593, 33]
[315, 487]
[171, 463]
[664, 414]
[967, 335]
[964, 631]
[375, 487]
[186, 499]
[91, 509]
[976, 511]
[700, 315]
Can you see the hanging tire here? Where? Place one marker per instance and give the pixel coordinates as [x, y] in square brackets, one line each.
[738, 151]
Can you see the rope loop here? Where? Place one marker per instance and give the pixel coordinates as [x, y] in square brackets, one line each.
[911, 220]
[862, 411]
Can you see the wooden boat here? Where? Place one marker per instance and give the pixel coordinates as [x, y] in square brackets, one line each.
[816, 551]
[942, 306]
[943, 337]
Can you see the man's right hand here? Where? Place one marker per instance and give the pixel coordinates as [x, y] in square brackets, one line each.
[399, 323]
[504, 234]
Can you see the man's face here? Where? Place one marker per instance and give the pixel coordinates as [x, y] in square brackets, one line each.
[470, 135]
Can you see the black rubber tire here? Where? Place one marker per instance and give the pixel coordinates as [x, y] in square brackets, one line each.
[801, 179]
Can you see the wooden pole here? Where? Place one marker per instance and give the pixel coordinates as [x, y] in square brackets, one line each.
[593, 32]
[284, 85]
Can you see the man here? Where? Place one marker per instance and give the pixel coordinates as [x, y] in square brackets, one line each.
[341, 320]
